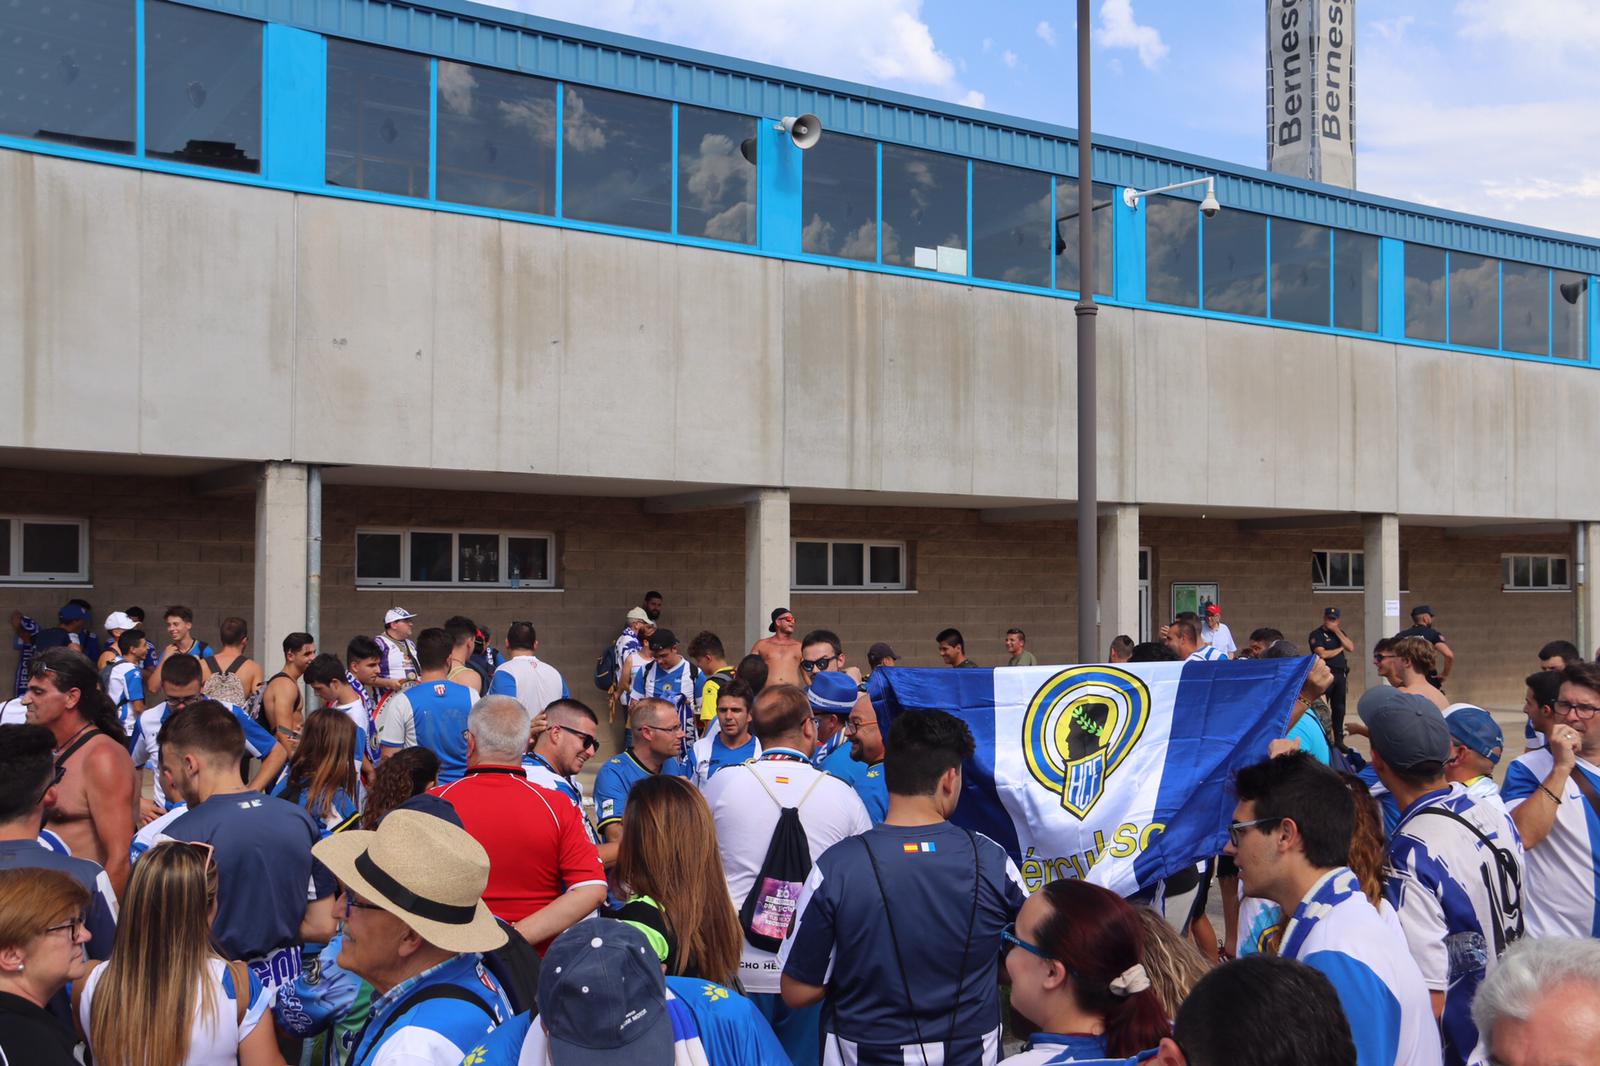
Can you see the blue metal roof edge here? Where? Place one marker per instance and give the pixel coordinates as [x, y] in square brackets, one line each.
[1140, 164]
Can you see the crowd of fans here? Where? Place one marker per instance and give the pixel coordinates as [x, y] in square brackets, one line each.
[200, 864]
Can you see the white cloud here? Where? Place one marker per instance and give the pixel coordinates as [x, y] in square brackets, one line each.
[1009, 58]
[1392, 29]
[1119, 29]
[973, 99]
[1046, 33]
[881, 42]
[1549, 25]
[988, 44]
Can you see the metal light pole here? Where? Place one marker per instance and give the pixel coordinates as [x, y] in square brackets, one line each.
[1088, 490]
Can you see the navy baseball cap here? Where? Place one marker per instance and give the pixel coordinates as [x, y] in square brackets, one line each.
[1330, 612]
[1476, 730]
[662, 639]
[72, 612]
[832, 692]
[603, 999]
[1405, 728]
[1421, 609]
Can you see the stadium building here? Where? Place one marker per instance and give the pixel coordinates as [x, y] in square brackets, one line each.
[518, 319]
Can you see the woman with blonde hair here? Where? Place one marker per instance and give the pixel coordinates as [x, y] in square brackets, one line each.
[42, 937]
[1172, 962]
[321, 775]
[165, 997]
[669, 865]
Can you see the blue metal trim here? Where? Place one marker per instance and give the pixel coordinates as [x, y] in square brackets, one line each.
[1392, 289]
[1448, 324]
[561, 138]
[493, 37]
[673, 225]
[969, 218]
[138, 79]
[877, 229]
[1127, 230]
[1055, 230]
[1269, 266]
[433, 129]
[1200, 260]
[294, 106]
[1549, 313]
[1333, 275]
[1500, 305]
[1592, 334]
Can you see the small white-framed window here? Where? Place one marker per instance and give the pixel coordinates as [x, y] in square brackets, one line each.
[1535, 573]
[848, 564]
[1338, 571]
[41, 549]
[454, 558]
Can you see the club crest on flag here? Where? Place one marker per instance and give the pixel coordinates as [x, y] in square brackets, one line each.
[1079, 727]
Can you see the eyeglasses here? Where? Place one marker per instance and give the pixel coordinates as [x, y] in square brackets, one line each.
[812, 666]
[1009, 936]
[351, 903]
[71, 924]
[675, 727]
[855, 725]
[1581, 711]
[1236, 830]
[589, 740]
[177, 703]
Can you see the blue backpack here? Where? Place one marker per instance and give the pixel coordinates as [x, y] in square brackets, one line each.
[605, 668]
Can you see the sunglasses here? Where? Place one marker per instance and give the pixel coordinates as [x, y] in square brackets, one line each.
[812, 666]
[590, 743]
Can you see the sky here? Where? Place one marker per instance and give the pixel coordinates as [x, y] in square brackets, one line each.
[1481, 106]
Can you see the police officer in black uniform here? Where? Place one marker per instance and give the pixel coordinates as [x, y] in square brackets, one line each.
[1329, 643]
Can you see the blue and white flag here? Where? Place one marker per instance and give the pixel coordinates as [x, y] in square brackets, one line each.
[1122, 774]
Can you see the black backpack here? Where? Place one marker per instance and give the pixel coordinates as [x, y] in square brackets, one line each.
[770, 910]
[516, 966]
[605, 668]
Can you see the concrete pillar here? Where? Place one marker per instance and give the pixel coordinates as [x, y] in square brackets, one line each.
[1586, 545]
[766, 560]
[1119, 573]
[281, 503]
[1381, 601]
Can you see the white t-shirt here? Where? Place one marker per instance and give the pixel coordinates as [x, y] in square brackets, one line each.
[214, 1041]
[746, 817]
[123, 686]
[12, 712]
[535, 684]
[1220, 638]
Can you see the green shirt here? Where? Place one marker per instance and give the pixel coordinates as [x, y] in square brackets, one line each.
[1025, 659]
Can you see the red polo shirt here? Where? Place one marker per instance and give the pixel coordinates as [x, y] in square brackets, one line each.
[535, 838]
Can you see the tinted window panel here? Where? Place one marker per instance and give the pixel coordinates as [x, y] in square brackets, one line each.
[811, 563]
[202, 78]
[1300, 272]
[377, 119]
[1526, 315]
[1172, 252]
[5, 547]
[50, 548]
[884, 562]
[1066, 236]
[1010, 224]
[378, 555]
[618, 163]
[839, 199]
[528, 559]
[430, 556]
[716, 183]
[67, 72]
[1355, 281]
[497, 139]
[1236, 263]
[1424, 293]
[478, 557]
[924, 210]
[847, 565]
[1474, 300]
[1569, 306]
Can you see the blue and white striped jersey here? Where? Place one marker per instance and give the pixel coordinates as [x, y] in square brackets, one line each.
[1563, 882]
[147, 752]
[1337, 931]
[1458, 898]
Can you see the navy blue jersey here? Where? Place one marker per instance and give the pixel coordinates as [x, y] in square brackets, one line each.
[264, 867]
[947, 947]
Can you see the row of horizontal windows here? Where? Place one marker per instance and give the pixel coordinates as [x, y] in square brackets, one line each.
[403, 124]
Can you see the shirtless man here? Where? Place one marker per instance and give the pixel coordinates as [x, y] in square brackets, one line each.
[282, 708]
[1408, 669]
[98, 794]
[781, 652]
[235, 636]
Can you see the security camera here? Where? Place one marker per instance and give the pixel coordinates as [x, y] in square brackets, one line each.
[1209, 206]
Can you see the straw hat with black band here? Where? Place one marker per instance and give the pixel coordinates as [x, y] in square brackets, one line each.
[424, 871]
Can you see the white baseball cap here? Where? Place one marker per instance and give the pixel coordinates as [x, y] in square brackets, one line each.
[397, 614]
[119, 620]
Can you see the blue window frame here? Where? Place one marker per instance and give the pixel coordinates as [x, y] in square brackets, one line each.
[717, 175]
[839, 199]
[68, 72]
[1301, 264]
[616, 159]
[924, 210]
[1355, 280]
[1235, 258]
[1011, 224]
[497, 139]
[1172, 251]
[1569, 315]
[202, 87]
[1426, 293]
[1474, 300]
[379, 133]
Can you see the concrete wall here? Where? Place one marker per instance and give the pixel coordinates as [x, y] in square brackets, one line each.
[141, 312]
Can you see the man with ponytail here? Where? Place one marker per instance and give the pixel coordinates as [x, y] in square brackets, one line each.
[1076, 963]
[97, 796]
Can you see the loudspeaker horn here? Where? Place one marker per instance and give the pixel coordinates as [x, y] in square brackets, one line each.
[803, 130]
